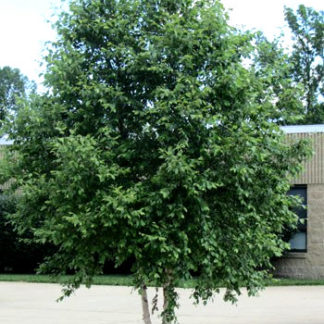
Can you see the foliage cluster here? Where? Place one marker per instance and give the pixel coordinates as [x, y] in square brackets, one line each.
[307, 59]
[296, 76]
[13, 85]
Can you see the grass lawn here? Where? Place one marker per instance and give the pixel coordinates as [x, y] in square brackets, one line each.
[124, 280]
[111, 280]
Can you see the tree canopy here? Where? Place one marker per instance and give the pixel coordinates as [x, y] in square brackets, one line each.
[273, 66]
[12, 85]
[295, 77]
[307, 58]
[155, 142]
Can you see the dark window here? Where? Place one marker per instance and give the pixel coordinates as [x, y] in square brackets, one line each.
[298, 239]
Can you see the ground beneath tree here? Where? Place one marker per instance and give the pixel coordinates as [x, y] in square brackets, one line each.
[29, 303]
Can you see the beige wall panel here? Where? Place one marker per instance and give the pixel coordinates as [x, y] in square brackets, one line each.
[314, 168]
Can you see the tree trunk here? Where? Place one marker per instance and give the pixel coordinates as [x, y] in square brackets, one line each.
[166, 301]
[145, 306]
[165, 306]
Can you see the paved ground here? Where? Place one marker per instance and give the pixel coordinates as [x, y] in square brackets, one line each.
[27, 303]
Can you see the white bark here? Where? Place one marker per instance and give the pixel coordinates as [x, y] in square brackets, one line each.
[145, 306]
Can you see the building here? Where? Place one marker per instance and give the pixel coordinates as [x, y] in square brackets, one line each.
[306, 257]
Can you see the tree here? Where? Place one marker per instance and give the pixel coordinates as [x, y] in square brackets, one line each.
[12, 85]
[273, 66]
[154, 142]
[307, 27]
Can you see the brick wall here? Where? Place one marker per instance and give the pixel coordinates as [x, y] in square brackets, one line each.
[311, 263]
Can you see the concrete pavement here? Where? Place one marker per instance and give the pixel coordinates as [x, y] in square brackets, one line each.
[29, 303]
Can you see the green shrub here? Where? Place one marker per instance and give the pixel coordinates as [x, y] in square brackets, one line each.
[16, 255]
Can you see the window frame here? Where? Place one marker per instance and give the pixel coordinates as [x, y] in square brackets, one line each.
[305, 203]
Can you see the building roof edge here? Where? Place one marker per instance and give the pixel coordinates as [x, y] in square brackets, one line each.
[294, 129]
